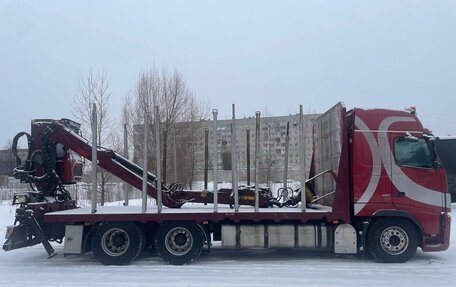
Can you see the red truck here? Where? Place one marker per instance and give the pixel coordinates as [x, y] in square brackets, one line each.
[375, 187]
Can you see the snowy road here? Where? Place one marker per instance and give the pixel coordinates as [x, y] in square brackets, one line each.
[29, 266]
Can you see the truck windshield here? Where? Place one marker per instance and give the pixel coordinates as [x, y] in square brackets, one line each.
[412, 152]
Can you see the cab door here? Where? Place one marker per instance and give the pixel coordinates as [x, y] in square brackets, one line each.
[417, 185]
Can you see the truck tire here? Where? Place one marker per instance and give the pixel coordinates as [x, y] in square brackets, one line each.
[393, 240]
[117, 243]
[179, 243]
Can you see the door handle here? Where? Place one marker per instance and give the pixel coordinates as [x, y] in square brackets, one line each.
[400, 194]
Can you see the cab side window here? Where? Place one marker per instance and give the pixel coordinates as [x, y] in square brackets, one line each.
[412, 152]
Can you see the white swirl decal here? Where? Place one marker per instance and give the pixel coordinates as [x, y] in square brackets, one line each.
[376, 165]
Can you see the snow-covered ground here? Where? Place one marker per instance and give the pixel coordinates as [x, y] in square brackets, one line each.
[29, 267]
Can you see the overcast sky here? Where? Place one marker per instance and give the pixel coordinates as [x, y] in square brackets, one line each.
[259, 55]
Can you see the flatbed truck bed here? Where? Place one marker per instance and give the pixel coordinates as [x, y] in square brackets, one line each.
[195, 212]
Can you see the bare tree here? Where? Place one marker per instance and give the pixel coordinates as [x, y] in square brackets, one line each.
[191, 132]
[176, 104]
[136, 105]
[95, 88]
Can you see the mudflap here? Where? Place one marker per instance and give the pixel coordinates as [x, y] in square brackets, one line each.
[27, 232]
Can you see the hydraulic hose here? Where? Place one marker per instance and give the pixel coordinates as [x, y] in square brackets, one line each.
[14, 148]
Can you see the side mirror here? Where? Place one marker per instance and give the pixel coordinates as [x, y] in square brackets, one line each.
[436, 164]
[410, 137]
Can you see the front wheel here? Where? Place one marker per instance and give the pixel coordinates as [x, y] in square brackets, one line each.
[393, 240]
[179, 243]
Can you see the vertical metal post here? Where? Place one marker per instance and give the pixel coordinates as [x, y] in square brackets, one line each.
[94, 158]
[247, 143]
[125, 153]
[164, 159]
[234, 161]
[174, 156]
[206, 156]
[76, 197]
[303, 163]
[145, 152]
[215, 159]
[257, 160]
[158, 156]
[304, 152]
[287, 147]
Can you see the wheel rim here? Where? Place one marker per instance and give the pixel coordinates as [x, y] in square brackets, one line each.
[394, 240]
[178, 241]
[115, 242]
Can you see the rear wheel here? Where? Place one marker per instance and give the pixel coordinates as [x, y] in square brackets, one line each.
[179, 243]
[393, 240]
[117, 243]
